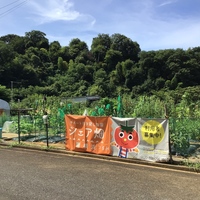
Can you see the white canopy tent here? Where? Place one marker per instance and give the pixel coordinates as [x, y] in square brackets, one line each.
[4, 107]
[4, 112]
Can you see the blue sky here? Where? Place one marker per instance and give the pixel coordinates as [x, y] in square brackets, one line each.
[153, 24]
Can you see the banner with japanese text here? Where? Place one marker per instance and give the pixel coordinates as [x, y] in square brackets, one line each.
[145, 139]
[88, 134]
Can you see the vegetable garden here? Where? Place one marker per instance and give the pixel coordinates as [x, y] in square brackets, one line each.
[184, 121]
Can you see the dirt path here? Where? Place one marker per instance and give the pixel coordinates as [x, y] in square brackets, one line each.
[9, 136]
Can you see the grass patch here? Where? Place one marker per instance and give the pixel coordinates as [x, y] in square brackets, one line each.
[47, 148]
[192, 165]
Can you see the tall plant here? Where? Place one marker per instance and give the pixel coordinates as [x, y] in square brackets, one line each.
[148, 106]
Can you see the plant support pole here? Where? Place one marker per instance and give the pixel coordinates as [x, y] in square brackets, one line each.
[45, 120]
[19, 126]
[47, 134]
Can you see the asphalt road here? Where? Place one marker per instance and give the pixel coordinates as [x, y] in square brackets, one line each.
[26, 174]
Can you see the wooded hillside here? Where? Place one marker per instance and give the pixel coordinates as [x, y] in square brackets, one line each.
[112, 65]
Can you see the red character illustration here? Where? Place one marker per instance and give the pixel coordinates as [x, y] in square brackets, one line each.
[126, 139]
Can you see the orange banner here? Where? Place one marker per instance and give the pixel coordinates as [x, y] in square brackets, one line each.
[88, 134]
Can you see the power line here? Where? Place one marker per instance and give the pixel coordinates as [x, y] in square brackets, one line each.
[13, 8]
[9, 4]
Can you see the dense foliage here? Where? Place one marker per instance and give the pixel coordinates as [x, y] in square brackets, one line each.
[183, 117]
[114, 64]
[162, 83]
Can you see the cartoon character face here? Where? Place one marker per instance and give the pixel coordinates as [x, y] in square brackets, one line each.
[126, 139]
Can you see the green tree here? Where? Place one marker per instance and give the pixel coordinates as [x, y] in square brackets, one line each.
[62, 65]
[76, 47]
[6, 56]
[112, 58]
[29, 76]
[120, 78]
[43, 55]
[35, 60]
[4, 93]
[17, 42]
[64, 53]
[100, 45]
[36, 39]
[126, 46]
[54, 52]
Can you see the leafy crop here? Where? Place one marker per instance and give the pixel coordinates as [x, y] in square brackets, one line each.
[183, 116]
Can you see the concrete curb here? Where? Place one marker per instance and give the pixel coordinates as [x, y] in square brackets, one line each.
[175, 165]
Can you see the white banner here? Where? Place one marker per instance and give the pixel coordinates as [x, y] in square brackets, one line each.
[145, 139]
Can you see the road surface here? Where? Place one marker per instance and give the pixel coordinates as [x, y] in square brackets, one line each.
[40, 175]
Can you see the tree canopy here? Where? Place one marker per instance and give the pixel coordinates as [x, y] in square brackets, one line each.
[114, 64]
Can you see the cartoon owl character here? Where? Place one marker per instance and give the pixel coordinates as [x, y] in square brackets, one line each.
[126, 140]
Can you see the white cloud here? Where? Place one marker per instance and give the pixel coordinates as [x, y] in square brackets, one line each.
[48, 11]
[166, 3]
[53, 10]
[152, 28]
[154, 24]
